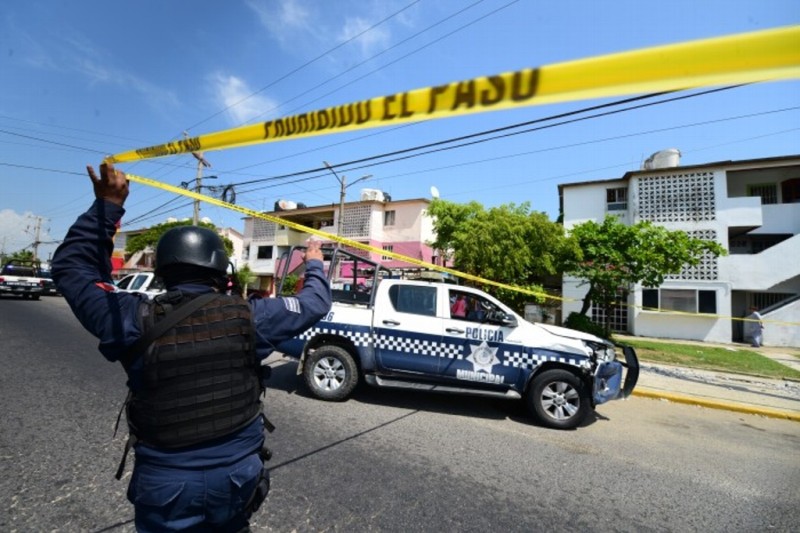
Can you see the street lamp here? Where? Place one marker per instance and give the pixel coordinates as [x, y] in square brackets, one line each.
[342, 191]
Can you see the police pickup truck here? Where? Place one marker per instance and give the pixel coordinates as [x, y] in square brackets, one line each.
[21, 278]
[408, 334]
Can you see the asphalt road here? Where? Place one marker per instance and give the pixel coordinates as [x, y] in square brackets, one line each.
[393, 461]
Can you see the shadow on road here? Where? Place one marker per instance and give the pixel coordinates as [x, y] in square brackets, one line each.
[285, 378]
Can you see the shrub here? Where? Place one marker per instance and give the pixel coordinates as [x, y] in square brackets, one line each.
[585, 324]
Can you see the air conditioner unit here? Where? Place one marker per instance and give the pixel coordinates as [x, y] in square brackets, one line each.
[371, 195]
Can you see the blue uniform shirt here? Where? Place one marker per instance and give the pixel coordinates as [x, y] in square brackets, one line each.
[81, 268]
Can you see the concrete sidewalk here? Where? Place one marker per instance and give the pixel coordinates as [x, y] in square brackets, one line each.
[718, 390]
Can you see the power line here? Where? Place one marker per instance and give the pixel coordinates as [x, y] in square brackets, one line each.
[414, 36]
[572, 145]
[307, 63]
[494, 130]
[52, 142]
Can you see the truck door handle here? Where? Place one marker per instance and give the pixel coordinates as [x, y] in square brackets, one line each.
[454, 330]
[391, 323]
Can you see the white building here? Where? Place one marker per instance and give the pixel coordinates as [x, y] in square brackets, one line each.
[750, 207]
[402, 227]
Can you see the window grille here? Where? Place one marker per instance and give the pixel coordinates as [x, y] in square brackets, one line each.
[762, 300]
[263, 230]
[768, 192]
[706, 269]
[357, 221]
[677, 197]
[618, 321]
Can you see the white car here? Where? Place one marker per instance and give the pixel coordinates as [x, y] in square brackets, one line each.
[142, 282]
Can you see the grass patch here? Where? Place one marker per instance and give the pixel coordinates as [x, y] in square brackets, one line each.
[739, 361]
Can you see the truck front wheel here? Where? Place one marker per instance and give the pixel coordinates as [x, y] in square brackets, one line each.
[558, 398]
[330, 373]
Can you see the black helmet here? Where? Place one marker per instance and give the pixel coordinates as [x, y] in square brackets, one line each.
[191, 245]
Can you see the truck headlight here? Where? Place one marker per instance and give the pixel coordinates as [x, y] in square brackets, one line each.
[601, 352]
[610, 354]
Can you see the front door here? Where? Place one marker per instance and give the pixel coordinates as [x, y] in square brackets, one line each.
[486, 350]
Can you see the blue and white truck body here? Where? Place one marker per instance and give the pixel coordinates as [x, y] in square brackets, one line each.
[403, 333]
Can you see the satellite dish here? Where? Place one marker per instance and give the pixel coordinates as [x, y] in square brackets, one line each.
[434, 192]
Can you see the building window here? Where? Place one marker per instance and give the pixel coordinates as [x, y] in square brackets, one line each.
[617, 320]
[678, 300]
[388, 248]
[388, 218]
[707, 302]
[264, 252]
[617, 199]
[767, 191]
[413, 299]
[683, 300]
[650, 299]
[791, 191]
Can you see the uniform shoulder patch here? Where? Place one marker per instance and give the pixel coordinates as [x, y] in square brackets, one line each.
[292, 304]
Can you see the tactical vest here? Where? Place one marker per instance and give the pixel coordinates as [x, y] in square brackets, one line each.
[200, 379]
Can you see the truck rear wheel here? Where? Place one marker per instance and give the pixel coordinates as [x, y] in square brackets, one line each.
[558, 398]
[330, 373]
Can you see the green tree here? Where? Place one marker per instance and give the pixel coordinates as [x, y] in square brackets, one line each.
[617, 256]
[20, 255]
[289, 285]
[507, 244]
[150, 237]
[244, 277]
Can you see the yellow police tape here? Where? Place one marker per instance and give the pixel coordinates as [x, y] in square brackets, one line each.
[750, 57]
[361, 246]
[327, 236]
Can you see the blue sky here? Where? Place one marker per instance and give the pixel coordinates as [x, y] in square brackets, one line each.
[84, 79]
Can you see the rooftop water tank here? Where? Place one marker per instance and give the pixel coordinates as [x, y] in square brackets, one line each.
[285, 205]
[669, 158]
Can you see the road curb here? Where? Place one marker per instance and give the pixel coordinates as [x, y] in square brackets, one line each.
[717, 404]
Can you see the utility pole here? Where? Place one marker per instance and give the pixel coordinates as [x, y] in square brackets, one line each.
[36, 240]
[342, 193]
[201, 162]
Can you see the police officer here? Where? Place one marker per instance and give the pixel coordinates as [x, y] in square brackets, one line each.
[193, 361]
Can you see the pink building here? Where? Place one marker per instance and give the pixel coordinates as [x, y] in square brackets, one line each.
[398, 226]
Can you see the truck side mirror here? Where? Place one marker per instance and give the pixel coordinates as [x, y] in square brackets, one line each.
[499, 317]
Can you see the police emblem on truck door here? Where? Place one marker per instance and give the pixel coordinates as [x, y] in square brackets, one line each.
[483, 357]
[482, 341]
